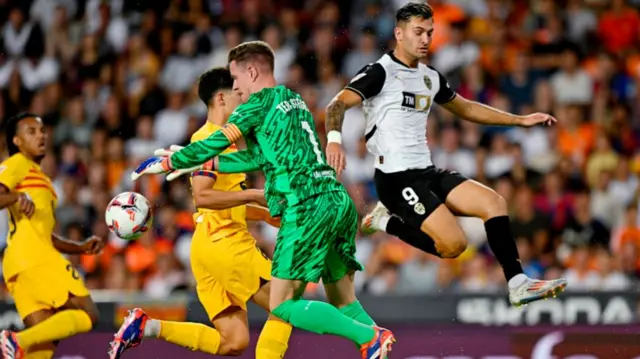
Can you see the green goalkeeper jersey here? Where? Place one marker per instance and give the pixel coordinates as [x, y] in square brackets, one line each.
[280, 134]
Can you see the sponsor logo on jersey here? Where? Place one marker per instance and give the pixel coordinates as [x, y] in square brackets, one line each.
[413, 102]
[419, 208]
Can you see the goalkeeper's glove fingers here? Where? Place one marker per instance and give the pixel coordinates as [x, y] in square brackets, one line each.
[208, 166]
[167, 152]
[164, 152]
[152, 165]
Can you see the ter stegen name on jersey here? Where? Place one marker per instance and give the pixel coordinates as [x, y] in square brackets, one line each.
[294, 103]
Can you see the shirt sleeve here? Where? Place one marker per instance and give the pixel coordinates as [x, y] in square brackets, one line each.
[237, 162]
[445, 93]
[12, 171]
[369, 81]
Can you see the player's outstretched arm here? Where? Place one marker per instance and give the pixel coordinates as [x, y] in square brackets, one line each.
[236, 162]
[190, 158]
[91, 245]
[199, 152]
[480, 113]
[205, 196]
[242, 121]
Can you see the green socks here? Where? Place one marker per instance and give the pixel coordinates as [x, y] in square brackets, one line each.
[356, 312]
[323, 318]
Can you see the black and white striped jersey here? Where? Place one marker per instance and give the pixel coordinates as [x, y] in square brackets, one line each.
[396, 102]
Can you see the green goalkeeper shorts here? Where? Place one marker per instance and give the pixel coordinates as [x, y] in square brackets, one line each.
[317, 239]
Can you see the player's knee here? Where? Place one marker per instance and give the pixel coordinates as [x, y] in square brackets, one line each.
[495, 206]
[233, 344]
[453, 246]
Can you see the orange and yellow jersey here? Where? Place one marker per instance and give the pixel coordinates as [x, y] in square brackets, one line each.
[221, 223]
[29, 243]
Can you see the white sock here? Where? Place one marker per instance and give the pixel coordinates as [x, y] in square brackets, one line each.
[152, 328]
[517, 281]
[382, 222]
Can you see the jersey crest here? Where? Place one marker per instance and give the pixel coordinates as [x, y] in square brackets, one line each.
[427, 81]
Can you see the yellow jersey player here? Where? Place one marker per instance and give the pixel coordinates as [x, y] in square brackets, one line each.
[49, 295]
[228, 266]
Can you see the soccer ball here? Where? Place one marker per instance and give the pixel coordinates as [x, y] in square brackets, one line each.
[129, 215]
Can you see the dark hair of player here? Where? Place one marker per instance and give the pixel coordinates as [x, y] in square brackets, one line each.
[11, 127]
[412, 9]
[212, 81]
[253, 51]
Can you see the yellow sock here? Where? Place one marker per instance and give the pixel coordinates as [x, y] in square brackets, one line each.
[41, 351]
[59, 326]
[274, 340]
[193, 336]
[40, 354]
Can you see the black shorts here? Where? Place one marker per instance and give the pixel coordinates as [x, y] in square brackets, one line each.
[414, 194]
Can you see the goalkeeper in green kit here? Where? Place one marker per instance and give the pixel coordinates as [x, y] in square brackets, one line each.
[319, 220]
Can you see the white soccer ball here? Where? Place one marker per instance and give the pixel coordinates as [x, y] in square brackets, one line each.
[129, 215]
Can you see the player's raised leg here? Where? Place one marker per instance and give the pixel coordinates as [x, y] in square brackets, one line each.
[420, 218]
[228, 272]
[45, 326]
[39, 337]
[381, 219]
[323, 318]
[492, 209]
[299, 258]
[231, 336]
[341, 264]
[39, 351]
[341, 294]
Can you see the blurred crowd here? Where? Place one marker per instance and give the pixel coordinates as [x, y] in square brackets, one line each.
[114, 80]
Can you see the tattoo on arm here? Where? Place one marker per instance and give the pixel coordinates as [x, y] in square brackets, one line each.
[335, 115]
